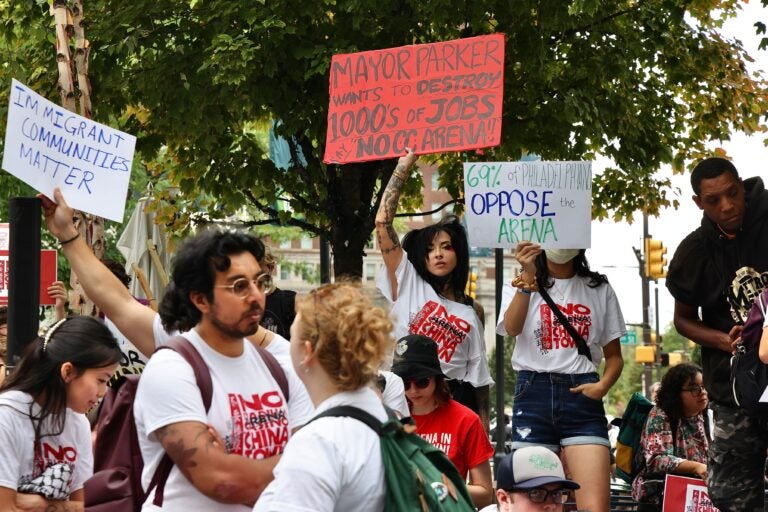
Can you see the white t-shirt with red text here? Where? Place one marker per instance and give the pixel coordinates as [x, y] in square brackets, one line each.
[454, 326]
[248, 411]
[544, 345]
[58, 466]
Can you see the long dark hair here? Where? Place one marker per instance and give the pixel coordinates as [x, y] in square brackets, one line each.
[580, 265]
[416, 243]
[194, 270]
[668, 398]
[82, 341]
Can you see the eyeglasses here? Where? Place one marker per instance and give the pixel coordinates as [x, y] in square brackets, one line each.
[419, 383]
[558, 496]
[242, 287]
[695, 390]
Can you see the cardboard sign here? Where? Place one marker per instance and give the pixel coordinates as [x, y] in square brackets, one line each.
[549, 203]
[47, 146]
[431, 97]
[683, 494]
[48, 272]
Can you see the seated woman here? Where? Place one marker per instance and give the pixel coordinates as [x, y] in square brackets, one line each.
[447, 424]
[338, 342]
[45, 437]
[675, 439]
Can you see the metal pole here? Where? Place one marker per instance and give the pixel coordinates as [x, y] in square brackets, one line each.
[501, 426]
[325, 259]
[646, 307]
[659, 341]
[23, 277]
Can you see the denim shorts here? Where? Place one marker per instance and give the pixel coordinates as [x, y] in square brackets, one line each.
[546, 413]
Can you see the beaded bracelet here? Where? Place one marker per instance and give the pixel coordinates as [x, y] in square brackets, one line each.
[518, 282]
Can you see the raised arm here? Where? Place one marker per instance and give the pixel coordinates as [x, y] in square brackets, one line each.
[223, 477]
[514, 316]
[105, 290]
[389, 242]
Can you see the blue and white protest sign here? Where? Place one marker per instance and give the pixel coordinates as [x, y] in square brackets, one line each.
[549, 203]
[47, 146]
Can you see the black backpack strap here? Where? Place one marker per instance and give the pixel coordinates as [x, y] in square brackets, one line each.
[275, 369]
[581, 345]
[181, 345]
[351, 412]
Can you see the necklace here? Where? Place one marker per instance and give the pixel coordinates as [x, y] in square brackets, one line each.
[560, 293]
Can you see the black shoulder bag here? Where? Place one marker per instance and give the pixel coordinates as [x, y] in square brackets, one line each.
[581, 345]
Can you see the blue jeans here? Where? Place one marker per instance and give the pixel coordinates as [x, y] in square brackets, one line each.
[546, 413]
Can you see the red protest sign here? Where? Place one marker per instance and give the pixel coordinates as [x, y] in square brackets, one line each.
[683, 494]
[432, 97]
[48, 271]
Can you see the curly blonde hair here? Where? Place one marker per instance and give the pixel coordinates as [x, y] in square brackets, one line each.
[349, 335]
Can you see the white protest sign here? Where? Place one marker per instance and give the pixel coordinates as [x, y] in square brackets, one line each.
[47, 146]
[549, 203]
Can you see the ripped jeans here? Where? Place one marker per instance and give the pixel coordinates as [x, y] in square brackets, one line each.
[546, 413]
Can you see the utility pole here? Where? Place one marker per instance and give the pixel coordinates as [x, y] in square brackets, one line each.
[646, 310]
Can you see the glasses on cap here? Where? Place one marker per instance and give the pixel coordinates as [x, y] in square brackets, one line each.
[419, 383]
[242, 287]
[695, 390]
[540, 495]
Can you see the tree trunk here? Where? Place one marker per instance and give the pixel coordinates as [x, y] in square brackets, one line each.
[69, 22]
[353, 213]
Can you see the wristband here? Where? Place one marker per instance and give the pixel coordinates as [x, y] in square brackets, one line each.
[64, 242]
[524, 292]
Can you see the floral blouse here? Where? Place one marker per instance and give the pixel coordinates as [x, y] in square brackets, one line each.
[661, 457]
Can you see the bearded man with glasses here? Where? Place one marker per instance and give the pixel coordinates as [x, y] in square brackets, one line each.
[216, 298]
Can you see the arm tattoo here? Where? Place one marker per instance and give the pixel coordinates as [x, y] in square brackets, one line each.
[392, 238]
[392, 195]
[180, 454]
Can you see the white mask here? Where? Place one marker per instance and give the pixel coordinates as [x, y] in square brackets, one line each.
[561, 256]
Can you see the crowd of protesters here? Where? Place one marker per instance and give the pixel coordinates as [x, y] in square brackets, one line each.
[278, 360]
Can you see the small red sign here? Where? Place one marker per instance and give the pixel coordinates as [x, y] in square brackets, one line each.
[48, 271]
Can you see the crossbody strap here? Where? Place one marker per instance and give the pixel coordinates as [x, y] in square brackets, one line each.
[182, 346]
[275, 369]
[581, 345]
[351, 412]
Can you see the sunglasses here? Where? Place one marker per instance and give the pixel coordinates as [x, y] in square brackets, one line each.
[419, 383]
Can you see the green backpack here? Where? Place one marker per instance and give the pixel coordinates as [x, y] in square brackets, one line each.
[419, 476]
[629, 456]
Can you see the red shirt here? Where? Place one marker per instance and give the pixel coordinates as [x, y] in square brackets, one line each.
[457, 431]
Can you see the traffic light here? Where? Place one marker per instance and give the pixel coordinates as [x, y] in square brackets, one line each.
[471, 288]
[645, 354]
[654, 259]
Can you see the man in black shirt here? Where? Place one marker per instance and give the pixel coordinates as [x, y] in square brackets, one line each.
[280, 306]
[718, 270]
